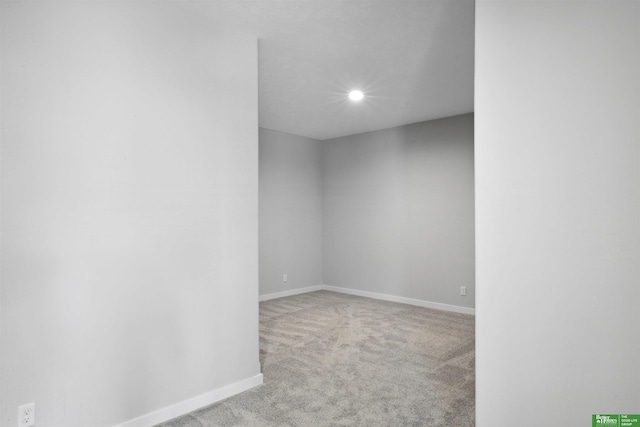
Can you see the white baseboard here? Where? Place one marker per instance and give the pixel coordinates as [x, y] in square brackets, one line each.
[291, 292]
[186, 406]
[384, 297]
[410, 301]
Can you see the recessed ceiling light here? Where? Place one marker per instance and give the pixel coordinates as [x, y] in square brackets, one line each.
[356, 95]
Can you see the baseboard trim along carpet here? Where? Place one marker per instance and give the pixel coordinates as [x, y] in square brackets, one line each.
[410, 301]
[186, 406]
[291, 292]
[384, 297]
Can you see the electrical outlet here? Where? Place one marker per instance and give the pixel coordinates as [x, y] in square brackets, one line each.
[284, 278]
[463, 291]
[27, 415]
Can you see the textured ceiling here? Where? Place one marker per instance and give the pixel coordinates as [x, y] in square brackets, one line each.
[412, 59]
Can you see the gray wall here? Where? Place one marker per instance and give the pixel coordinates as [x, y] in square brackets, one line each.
[558, 210]
[290, 212]
[129, 210]
[398, 211]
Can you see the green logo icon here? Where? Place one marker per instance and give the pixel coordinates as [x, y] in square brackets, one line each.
[615, 420]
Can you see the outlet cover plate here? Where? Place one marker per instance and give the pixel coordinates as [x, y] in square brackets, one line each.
[27, 415]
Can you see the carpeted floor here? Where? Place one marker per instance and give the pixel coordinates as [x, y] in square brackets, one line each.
[331, 359]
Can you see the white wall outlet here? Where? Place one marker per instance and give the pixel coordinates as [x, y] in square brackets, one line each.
[27, 415]
[463, 291]
[284, 278]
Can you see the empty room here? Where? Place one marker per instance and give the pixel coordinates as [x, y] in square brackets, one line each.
[310, 213]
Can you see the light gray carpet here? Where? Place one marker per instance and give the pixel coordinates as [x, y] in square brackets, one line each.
[331, 359]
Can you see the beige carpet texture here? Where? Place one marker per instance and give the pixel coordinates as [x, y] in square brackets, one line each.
[331, 359]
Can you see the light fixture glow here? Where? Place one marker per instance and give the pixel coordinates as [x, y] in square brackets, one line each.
[356, 95]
